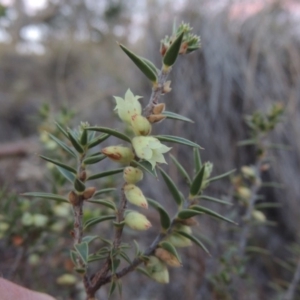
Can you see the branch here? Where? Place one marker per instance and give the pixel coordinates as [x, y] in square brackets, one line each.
[289, 295]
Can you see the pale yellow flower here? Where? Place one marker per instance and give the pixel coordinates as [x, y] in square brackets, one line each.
[149, 148]
[128, 107]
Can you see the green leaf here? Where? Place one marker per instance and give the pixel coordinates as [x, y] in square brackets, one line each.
[119, 286]
[98, 140]
[111, 132]
[220, 176]
[197, 160]
[90, 160]
[97, 220]
[174, 116]
[73, 256]
[58, 163]
[172, 187]
[137, 248]
[187, 213]
[125, 257]
[165, 220]
[177, 139]
[259, 250]
[197, 182]
[150, 64]
[83, 250]
[62, 130]
[106, 173]
[272, 185]
[115, 262]
[68, 175]
[63, 145]
[211, 213]
[144, 165]
[97, 257]
[212, 199]
[141, 64]
[89, 238]
[46, 196]
[247, 142]
[106, 203]
[193, 239]
[112, 287]
[75, 142]
[181, 169]
[84, 137]
[79, 185]
[267, 205]
[173, 51]
[170, 248]
[103, 191]
[143, 271]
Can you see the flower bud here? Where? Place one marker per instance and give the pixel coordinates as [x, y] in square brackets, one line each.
[157, 270]
[158, 108]
[73, 198]
[188, 222]
[167, 257]
[137, 221]
[167, 88]
[244, 192]
[259, 216]
[135, 196]
[248, 172]
[177, 240]
[89, 192]
[156, 118]
[140, 125]
[119, 154]
[132, 175]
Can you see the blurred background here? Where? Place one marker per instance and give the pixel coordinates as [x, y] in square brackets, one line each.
[59, 61]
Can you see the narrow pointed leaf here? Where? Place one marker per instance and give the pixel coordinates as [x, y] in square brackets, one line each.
[79, 185]
[60, 128]
[119, 286]
[73, 256]
[125, 257]
[106, 203]
[172, 187]
[106, 173]
[94, 159]
[197, 160]
[197, 182]
[89, 238]
[259, 250]
[68, 175]
[140, 63]
[97, 220]
[83, 250]
[211, 213]
[63, 145]
[58, 163]
[173, 51]
[188, 213]
[170, 248]
[221, 176]
[212, 199]
[150, 64]
[103, 191]
[112, 287]
[111, 132]
[98, 140]
[46, 196]
[181, 169]
[75, 142]
[137, 248]
[145, 166]
[143, 271]
[97, 257]
[174, 116]
[165, 220]
[84, 137]
[267, 205]
[272, 185]
[177, 140]
[193, 239]
[247, 142]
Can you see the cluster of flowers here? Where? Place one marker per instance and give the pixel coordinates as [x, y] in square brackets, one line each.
[144, 147]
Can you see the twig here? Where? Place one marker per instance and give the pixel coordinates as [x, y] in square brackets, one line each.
[157, 91]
